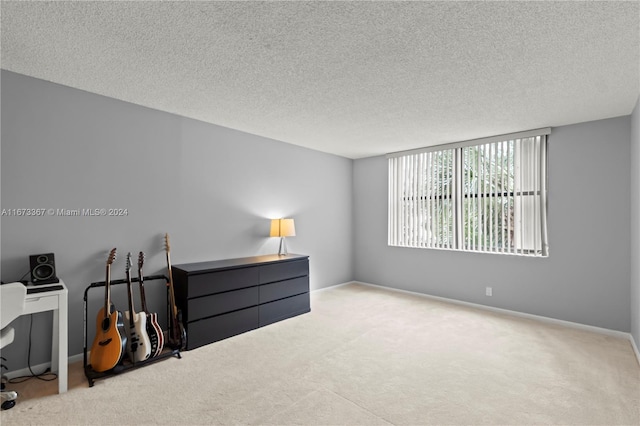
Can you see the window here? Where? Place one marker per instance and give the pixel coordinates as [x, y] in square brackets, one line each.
[486, 195]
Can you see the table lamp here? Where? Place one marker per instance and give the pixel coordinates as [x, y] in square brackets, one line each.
[282, 228]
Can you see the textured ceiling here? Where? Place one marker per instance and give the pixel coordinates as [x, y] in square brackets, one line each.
[355, 79]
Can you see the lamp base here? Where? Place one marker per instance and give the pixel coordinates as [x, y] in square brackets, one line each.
[282, 251]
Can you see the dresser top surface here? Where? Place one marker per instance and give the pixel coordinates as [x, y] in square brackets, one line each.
[216, 265]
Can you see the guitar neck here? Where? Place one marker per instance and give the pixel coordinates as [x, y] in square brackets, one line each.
[130, 296]
[107, 292]
[143, 299]
[107, 285]
[171, 293]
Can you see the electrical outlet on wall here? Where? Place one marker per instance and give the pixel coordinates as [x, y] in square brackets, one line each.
[489, 291]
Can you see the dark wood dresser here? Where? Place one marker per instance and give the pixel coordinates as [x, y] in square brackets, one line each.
[222, 298]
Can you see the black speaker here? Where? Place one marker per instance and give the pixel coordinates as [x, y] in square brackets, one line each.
[43, 269]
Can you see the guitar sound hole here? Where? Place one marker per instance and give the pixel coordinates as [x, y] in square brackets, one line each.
[106, 323]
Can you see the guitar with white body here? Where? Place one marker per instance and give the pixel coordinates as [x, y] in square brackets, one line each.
[138, 343]
[156, 336]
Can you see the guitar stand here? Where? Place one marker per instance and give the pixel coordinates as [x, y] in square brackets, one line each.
[125, 364]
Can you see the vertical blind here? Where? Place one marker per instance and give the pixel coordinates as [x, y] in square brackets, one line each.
[484, 197]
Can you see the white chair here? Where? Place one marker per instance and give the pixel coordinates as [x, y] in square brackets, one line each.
[12, 299]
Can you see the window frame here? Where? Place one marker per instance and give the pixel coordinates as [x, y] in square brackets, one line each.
[409, 221]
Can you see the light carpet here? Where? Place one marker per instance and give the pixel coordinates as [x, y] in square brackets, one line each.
[367, 356]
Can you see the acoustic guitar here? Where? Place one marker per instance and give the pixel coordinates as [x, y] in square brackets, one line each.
[138, 346]
[177, 334]
[156, 335]
[110, 340]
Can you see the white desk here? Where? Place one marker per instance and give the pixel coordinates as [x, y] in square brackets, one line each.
[55, 301]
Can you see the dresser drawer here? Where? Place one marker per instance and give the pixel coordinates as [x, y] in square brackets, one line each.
[282, 289]
[216, 304]
[210, 330]
[283, 271]
[219, 281]
[284, 308]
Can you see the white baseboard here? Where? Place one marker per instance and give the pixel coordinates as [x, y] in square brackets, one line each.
[635, 347]
[606, 331]
[39, 368]
[333, 286]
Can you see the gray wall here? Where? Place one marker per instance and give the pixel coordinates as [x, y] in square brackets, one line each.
[214, 189]
[635, 223]
[211, 188]
[586, 277]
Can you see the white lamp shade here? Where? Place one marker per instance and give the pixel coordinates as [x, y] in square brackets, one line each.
[282, 228]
